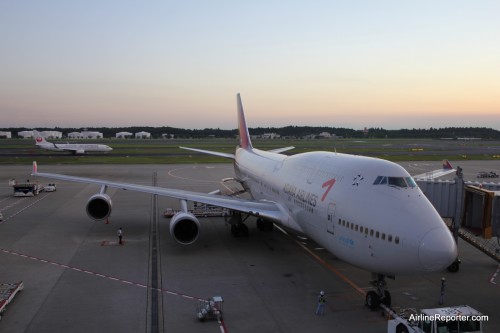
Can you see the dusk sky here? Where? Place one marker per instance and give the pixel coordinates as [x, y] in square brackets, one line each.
[391, 64]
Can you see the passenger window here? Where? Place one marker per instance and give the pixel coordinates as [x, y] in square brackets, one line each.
[356, 227]
[377, 234]
[383, 236]
[361, 229]
[389, 238]
[396, 240]
[371, 232]
[366, 231]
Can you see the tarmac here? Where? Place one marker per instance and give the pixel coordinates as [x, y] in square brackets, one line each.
[78, 279]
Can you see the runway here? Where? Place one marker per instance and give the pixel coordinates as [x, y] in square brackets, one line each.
[77, 279]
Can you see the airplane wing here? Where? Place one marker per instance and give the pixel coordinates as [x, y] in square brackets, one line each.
[265, 209]
[447, 169]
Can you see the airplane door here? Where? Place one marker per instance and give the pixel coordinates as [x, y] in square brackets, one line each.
[330, 223]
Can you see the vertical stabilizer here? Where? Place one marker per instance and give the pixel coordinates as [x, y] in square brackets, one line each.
[245, 141]
[39, 139]
[41, 142]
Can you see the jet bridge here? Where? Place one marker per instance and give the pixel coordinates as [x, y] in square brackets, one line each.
[473, 207]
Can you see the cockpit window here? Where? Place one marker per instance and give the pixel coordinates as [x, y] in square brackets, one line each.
[411, 182]
[397, 181]
[403, 182]
[380, 180]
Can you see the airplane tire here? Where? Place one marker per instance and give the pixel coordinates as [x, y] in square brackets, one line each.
[454, 267]
[239, 230]
[401, 329]
[387, 299]
[264, 225]
[372, 300]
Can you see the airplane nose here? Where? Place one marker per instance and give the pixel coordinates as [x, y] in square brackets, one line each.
[437, 249]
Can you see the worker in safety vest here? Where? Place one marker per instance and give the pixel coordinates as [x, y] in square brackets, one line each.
[320, 310]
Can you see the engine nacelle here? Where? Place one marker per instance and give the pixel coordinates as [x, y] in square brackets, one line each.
[99, 206]
[184, 227]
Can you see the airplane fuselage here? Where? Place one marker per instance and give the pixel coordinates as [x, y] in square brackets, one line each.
[75, 148]
[344, 203]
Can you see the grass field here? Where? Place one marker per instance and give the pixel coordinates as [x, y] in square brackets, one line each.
[151, 151]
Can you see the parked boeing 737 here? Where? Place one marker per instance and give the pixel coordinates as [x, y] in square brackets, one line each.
[75, 148]
[366, 211]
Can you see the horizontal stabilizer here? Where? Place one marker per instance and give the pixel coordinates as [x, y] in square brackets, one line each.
[280, 150]
[209, 152]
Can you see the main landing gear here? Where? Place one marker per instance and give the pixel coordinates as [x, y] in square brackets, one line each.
[239, 229]
[380, 295]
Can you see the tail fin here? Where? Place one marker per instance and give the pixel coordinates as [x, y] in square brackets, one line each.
[245, 141]
[39, 139]
[447, 165]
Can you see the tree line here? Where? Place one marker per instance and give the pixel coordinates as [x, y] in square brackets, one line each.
[287, 132]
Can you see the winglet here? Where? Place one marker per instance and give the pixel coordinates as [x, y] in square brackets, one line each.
[245, 141]
[35, 168]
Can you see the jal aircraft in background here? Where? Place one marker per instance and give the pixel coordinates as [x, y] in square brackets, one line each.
[366, 211]
[75, 148]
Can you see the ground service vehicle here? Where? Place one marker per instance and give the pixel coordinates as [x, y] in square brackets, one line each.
[457, 319]
[50, 188]
[26, 190]
[210, 309]
[485, 174]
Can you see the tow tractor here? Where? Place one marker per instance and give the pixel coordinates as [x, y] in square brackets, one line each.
[460, 318]
[210, 308]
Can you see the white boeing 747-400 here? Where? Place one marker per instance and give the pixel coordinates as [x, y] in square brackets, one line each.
[366, 211]
[75, 148]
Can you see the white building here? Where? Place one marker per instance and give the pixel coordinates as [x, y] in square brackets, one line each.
[51, 134]
[7, 135]
[143, 135]
[85, 135]
[270, 136]
[123, 135]
[92, 135]
[25, 134]
[75, 135]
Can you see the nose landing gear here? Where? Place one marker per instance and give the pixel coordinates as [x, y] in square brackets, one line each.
[380, 295]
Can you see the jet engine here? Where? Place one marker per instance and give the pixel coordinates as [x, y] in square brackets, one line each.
[184, 227]
[99, 206]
